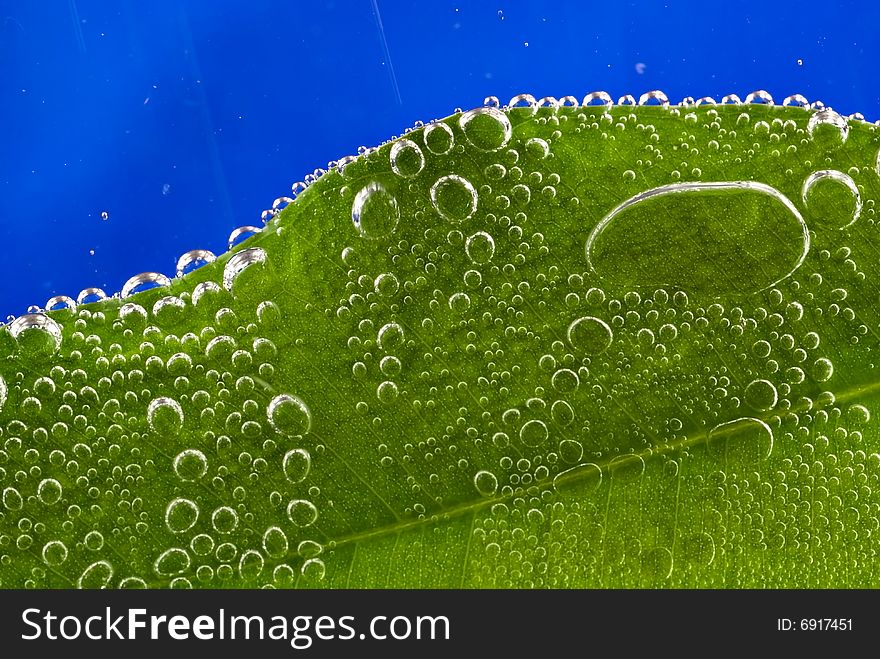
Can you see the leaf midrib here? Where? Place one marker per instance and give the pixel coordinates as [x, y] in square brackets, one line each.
[604, 466]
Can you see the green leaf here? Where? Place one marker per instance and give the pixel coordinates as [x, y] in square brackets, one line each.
[555, 346]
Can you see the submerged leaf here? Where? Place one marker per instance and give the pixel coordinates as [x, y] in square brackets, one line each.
[534, 347]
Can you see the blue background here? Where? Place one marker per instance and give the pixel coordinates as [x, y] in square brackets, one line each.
[184, 119]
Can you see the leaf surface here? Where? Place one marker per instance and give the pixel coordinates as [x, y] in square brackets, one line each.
[532, 347]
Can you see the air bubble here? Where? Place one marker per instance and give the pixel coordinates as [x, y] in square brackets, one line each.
[590, 335]
[828, 117]
[390, 337]
[439, 139]
[386, 284]
[11, 499]
[54, 552]
[823, 369]
[90, 295]
[194, 259]
[181, 515]
[571, 451]
[37, 332]
[302, 512]
[296, 465]
[171, 562]
[143, 282]
[375, 213]
[240, 234]
[603, 98]
[224, 520]
[289, 415]
[204, 291]
[165, 416]
[743, 440]
[761, 395]
[190, 465]
[655, 95]
[486, 483]
[407, 159]
[565, 380]
[487, 129]
[459, 302]
[387, 392]
[627, 468]
[275, 542]
[239, 262]
[825, 202]
[313, 569]
[250, 565]
[49, 491]
[562, 413]
[96, 575]
[454, 197]
[537, 148]
[586, 476]
[59, 302]
[480, 247]
[759, 97]
[533, 433]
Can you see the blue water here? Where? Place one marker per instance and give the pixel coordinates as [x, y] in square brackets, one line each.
[183, 119]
